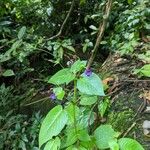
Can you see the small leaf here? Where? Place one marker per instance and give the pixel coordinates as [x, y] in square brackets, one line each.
[53, 144]
[91, 85]
[3, 23]
[71, 48]
[21, 32]
[16, 45]
[88, 100]
[62, 76]
[103, 135]
[52, 125]
[59, 92]
[85, 46]
[130, 2]
[93, 27]
[129, 144]
[102, 107]
[78, 66]
[144, 71]
[8, 73]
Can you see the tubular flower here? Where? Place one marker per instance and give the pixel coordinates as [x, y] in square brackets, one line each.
[88, 72]
[53, 96]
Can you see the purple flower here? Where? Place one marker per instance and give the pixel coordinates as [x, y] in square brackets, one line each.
[88, 72]
[53, 96]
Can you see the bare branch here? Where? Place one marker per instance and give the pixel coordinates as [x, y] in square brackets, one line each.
[65, 21]
[102, 27]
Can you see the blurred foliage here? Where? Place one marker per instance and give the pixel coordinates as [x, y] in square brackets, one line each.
[16, 130]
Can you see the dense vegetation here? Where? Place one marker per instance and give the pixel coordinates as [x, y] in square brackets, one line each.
[37, 39]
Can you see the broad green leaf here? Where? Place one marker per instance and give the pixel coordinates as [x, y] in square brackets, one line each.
[89, 145]
[91, 85]
[76, 148]
[59, 92]
[78, 66]
[21, 32]
[88, 100]
[103, 135]
[8, 73]
[72, 136]
[53, 144]
[83, 135]
[113, 145]
[52, 125]
[129, 144]
[62, 76]
[71, 109]
[86, 118]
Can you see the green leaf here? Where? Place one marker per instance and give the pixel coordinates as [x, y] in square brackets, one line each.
[78, 66]
[52, 125]
[91, 85]
[21, 32]
[76, 148]
[3, 23]
[103, 135]
[113, 145]
[89, 145]
[130, 2]
[129, 144]
[102, 107]
[83, 135]
[70, 112]
[59, 92]
[8, 73]
[60, 53]
[16, 45]
[88, 100]
[71, 136]
[82, 2]
[93, 27]
[62, 76]
[85, 46]
[144, 71]
[53, 144]
[71, 48]
[86, 118]
[74, 135]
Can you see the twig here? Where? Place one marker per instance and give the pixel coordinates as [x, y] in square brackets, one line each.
[43, 99]
[135, 80]
[64, 23]
[129, 129]
[102, 27]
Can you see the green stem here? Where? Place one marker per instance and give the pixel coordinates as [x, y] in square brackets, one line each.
[74, 106]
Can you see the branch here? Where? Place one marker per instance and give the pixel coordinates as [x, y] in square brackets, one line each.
[64, 23]
[102, 27]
